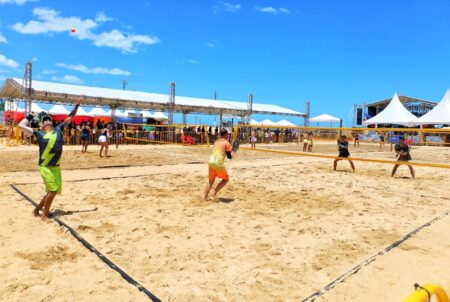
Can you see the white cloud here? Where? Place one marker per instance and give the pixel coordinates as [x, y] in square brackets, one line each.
[226, 6]
[272, 10]
[3, 39]
[213, 43]
[67, 79]
[101, 17]
[231, 7]
[117, 39]
[96, 70]
[18, 2]
[47, 71]
[34, 59]
[49, 21]
[192, 61]
[4, 61]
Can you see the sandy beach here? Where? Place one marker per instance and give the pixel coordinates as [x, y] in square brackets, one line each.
[283, 228]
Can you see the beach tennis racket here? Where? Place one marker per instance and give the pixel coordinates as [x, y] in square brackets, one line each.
[235, 145]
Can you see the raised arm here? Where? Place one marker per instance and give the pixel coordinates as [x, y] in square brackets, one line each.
[24, 125]
[72, 114]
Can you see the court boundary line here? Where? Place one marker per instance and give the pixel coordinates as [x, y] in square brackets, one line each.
[89, 179]
[371, 259]
[91, 248]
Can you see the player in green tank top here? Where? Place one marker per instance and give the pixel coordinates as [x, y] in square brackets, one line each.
[50, 141]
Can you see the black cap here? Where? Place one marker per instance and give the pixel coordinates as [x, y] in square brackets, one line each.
[43, 116]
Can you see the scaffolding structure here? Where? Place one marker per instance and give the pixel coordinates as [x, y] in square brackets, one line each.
[249, 109]
[27, 86]
[307, 113]
[171, 102]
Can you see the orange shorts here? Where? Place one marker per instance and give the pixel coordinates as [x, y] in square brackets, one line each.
[217, 171]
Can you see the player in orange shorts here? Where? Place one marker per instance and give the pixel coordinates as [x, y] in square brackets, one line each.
[221, 148]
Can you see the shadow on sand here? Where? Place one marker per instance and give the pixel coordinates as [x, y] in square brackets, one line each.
[59, 213]
[225, 200]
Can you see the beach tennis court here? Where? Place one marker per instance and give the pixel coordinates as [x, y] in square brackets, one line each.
[283, 228]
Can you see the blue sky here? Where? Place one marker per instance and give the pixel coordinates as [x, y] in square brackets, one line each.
[333, 53]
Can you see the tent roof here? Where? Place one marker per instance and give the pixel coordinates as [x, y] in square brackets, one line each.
[254, 122]
[128, 111]
[440, 114]
[394, 113]
[97, 111]
[65, 93]
[146, 114]
[160, 116]
[36, 108]
[267, 122]
[82, 112]
[284, 123]
[325, 118]
[58, 109]
[120, 113]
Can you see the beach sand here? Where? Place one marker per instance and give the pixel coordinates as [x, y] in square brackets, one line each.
[283, 228]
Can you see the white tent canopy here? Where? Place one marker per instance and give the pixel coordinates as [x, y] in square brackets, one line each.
[146, 114]
[130, 113]
[82, 112]
[324, 118]
[119, 113]
[284, 123]
[159, 116]
[66, 93]
[267, 122]
[440, 114]
[58, 109]
[97, 111]
[394, 113]
[36, 108]
[255, 122]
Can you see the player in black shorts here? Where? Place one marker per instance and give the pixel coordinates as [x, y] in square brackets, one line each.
[356, 139]
[402, 152]
[343, 152]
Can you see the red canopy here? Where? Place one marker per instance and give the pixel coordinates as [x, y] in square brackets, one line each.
[17, 116]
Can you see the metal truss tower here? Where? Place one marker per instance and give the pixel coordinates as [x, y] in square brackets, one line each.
[171, 102]
[249, 108]
[27, 86]
[307, 112]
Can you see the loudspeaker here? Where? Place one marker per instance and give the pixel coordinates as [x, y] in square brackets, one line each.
[359, 116]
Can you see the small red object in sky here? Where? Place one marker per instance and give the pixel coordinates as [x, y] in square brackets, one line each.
[73, 30]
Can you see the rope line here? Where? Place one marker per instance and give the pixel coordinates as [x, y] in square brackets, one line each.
[366, 262]
[91, 248]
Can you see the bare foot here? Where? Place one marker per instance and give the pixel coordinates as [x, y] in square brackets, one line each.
[36, 212]
[214, 198]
